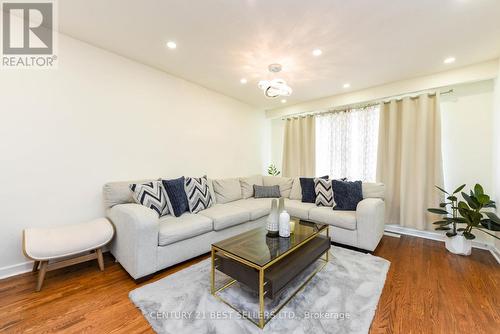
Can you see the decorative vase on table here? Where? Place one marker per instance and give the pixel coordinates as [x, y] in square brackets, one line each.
[273, 220]
[284, 221]
[281, 205]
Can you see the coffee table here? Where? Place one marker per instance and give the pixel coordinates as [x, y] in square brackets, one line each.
[268, 265]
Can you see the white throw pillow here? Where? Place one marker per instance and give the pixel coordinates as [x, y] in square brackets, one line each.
[247, 184]
[227, 190]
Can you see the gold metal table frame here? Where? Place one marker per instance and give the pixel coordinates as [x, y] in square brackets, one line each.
[262, 321]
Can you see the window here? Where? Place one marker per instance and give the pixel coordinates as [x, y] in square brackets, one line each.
[346, 144]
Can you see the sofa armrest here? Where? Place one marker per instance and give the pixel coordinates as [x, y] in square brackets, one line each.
[135, 244]
[370, 219]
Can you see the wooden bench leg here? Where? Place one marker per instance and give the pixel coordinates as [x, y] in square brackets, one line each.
[44, 265]
[41, 274]
[35, 265]
[100, 259]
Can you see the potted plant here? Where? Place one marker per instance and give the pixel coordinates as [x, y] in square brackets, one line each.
[469, 212]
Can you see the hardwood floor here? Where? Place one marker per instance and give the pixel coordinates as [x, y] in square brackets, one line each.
[428, 290]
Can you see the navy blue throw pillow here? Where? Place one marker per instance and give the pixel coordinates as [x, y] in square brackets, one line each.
[347, 194]
[307, 186]
[177, 199]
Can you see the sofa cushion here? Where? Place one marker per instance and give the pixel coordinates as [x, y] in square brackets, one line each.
[296, 192]
[115, 193]
[247, 184]
[285, 184]
[325, 215]
[373, 190]
[258, 207]
[227, 190]
[173, 229]
[298, 209]
[211, 188]
[226, 215]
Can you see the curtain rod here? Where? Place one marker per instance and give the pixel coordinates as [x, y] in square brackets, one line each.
[365, 104]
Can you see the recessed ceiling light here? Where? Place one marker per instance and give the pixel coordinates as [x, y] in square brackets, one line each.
[243, 81]
[346, 85]
[171, 45]
[449, 60]
[317, 52]
[283, 101]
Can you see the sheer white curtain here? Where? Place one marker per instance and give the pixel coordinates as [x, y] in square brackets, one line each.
[346, 143]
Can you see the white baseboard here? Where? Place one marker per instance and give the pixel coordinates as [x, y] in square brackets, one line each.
[496, 253]
[16, 269]
[391, 234]
[24, 267]
[439, 237]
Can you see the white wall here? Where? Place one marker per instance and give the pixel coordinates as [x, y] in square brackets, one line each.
[98, 118]
[496, 147]
[467, 138]
[467, 135]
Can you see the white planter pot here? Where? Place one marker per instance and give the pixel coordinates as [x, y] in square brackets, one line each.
[458, 245]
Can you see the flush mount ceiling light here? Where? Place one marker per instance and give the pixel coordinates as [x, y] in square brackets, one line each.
[283, 101]
[171, 45]
[275, 87]
[449, 60]
[243, 81]
[346, 85]
[317, 52]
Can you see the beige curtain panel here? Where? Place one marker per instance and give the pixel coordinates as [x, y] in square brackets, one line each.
[299, 147]
[410, 160]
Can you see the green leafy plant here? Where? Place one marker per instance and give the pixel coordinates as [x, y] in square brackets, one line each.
[272, 170]
[468, 212]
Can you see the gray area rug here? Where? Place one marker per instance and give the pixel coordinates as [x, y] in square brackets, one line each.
[341, 298]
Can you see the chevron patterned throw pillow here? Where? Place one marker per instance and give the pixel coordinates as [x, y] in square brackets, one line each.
[151, 194]
[324, 193]
[198, 193]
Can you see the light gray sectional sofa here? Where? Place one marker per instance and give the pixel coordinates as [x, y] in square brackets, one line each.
[144, 243]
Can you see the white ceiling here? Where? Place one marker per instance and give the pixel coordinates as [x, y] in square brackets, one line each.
[364, 42]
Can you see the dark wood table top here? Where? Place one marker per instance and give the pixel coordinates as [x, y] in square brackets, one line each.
[256, 247]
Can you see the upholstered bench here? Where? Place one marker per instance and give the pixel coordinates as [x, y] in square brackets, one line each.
[55, 243]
